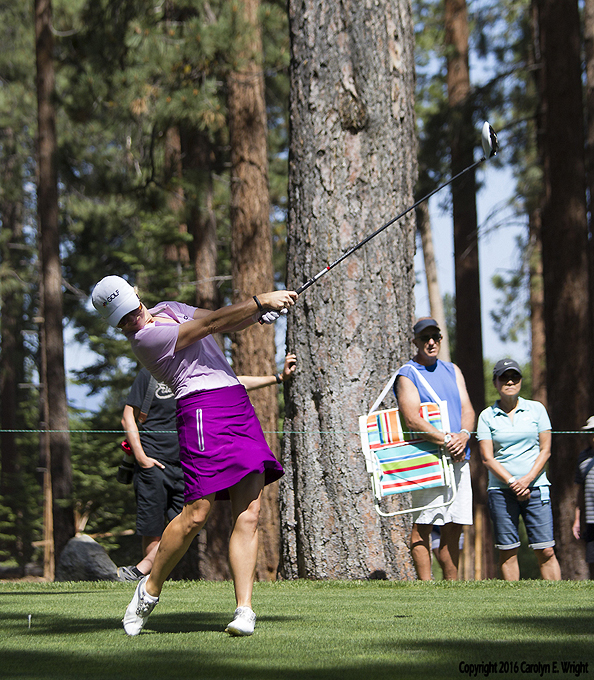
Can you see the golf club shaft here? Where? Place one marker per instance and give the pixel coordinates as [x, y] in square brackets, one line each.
[311, 281]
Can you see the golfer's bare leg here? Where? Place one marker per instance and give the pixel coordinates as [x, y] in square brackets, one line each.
[421, 550]
[176, 540]
[243, 544]
[449, 550]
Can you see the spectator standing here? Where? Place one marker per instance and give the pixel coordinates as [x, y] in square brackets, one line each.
[515, 443]
[158, 477]
[583, 525]
[418, 381]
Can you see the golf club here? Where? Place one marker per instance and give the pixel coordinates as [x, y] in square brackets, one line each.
[490, 146]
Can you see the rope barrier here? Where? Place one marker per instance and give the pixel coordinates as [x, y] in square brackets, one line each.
[122, 432]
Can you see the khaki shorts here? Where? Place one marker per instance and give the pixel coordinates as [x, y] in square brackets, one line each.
[458, 512]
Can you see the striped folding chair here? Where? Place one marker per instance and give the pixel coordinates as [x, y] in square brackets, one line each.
[399, 461]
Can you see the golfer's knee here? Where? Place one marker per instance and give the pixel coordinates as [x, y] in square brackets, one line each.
[194, 517]
[248, 519]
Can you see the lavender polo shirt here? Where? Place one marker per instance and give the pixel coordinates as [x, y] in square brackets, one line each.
[200, 366]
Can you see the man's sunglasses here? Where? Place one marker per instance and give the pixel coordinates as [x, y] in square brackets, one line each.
[436, 337]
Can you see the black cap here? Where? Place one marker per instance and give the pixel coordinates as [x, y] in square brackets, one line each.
[504, 365]
[420, 326]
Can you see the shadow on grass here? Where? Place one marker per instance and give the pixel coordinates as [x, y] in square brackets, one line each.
[45, 593]
[582, 623]
[52, 624]
[182, 622]
[421, 660]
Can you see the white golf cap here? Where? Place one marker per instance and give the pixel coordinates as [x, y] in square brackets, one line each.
[113, 297]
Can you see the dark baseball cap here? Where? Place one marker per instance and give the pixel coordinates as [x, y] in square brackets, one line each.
[504, 365]
[421, 324]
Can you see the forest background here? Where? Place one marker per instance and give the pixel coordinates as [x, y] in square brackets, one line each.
[160, 141]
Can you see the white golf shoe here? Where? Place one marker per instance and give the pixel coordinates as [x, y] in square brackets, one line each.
[138, 610]
[243, 622]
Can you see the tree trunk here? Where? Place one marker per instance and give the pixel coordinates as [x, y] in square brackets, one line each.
[565, 259]
[352, 167]
[208, 555]
[469, 340]
[47, 208]
[433, 290]
[253, 350]
[537, 325]
[12, 354]
[175, 252]
[589, 55]
[197, 168]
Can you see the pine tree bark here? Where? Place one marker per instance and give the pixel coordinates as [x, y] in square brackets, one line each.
[207, 557]
[175, 252]
[253, 350]
[198, 168]
[433, 289]
[469, 343]
[565, 258]
[47, 208]
[537, 324]
[589, 56]
[352, 167]
[12, 354]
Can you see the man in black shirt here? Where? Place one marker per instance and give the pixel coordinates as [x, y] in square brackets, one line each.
[158, 477]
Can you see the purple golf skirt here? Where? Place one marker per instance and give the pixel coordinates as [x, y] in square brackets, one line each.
[221, 441]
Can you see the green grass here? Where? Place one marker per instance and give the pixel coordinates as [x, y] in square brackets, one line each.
[306, 629]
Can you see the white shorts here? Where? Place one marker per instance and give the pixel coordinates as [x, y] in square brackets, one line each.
[458, 512]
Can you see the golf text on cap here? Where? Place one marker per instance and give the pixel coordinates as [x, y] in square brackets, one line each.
[113, 296]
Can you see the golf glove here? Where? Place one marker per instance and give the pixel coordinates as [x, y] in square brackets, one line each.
[268, 317]
[271, 316]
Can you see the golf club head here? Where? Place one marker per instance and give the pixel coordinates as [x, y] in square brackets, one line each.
[489, 141]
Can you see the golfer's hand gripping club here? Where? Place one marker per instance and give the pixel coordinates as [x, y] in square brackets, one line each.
[272, 305]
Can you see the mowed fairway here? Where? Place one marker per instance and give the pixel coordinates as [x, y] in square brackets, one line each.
[305, 629]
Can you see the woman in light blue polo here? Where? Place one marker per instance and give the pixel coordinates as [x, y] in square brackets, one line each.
[515, 443]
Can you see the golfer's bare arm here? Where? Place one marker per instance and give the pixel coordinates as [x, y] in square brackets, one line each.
[231, 318]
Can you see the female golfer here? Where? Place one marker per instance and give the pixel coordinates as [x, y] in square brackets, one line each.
[515, 443]
[222, 449]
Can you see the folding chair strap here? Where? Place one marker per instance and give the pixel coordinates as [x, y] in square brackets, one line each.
[390, 382]
[385, 391]
[427, 386]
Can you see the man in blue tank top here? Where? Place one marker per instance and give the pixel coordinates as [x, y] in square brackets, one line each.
[420, 380]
